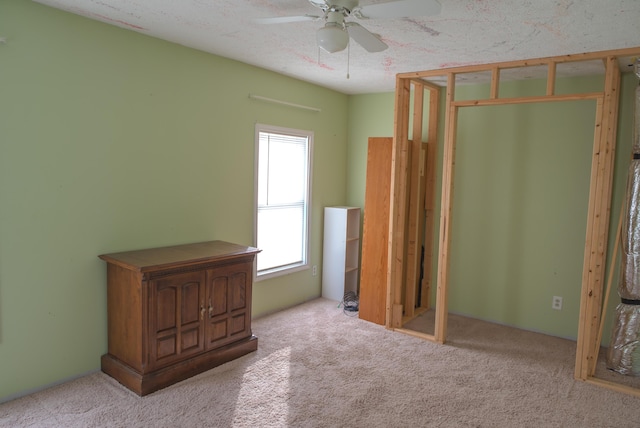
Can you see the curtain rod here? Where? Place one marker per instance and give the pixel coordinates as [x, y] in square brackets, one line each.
[285, 103]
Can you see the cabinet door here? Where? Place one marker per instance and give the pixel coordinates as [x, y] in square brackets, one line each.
[176, 314]
[229, 303]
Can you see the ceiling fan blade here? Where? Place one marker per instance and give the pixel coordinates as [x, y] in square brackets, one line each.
[319, 3]
[286, 19]
[398, 9]
[365, 38]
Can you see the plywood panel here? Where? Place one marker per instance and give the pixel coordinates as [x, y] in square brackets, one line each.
[373, 279]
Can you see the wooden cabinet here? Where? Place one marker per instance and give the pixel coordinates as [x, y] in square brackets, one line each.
[175, 325]
[176, 311]
[341, 252]
[227, 296]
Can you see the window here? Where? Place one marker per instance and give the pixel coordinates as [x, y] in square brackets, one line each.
[283, 188]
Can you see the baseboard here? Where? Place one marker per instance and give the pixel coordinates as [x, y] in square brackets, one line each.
[47, 386]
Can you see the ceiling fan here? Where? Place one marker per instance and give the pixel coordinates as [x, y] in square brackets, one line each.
[334, 36]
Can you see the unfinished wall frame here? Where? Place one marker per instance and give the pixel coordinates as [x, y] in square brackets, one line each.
[600, 190]
[413, 170]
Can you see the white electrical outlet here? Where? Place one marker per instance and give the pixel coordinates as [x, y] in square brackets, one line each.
[314, 270]
[556, 303]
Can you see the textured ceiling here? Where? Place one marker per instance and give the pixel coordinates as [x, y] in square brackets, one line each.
[466, 32]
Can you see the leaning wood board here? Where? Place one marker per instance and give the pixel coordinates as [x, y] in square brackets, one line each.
[373, 269]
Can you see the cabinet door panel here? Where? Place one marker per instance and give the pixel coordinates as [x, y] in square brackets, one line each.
[238, 291]
[176, 325]
[191, 302]
[218, 295]
[191, 339]
[165, 346]
[218, 330]
[238, 324]
[166, 308]
[229, 289]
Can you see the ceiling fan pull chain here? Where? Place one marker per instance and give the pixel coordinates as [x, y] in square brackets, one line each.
[348, 56]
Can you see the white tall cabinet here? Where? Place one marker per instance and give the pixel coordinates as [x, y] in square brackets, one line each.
[341, 252]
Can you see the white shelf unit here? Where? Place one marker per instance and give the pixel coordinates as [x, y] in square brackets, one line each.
[341, 252]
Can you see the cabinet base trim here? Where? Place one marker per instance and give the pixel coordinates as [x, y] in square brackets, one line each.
[143, 384]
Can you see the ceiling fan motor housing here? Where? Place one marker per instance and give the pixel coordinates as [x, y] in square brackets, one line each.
[349, 5]
[346, 4]
[332, 37]
[335, 34]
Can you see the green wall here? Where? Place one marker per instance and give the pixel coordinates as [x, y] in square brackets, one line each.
[520, 200]
[110, 141]
[370, 115]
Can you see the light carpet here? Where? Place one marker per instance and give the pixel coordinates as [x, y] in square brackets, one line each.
[317, 367]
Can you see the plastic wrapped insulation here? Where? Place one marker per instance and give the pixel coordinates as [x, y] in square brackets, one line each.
[636, 122]
[629, 282]
[623, 355]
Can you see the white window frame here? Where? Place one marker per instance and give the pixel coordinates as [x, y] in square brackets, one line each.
[305, 263]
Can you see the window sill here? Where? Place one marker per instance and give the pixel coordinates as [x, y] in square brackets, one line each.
[276, 272]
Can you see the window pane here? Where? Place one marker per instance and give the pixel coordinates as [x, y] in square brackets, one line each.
[280, 236]
[282, 169]
[286, 173]
[282, 198]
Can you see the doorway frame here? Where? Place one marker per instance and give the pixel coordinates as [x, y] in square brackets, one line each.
[600, 188]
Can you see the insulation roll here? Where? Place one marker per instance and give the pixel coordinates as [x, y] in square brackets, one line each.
[629, 282]
[636, 119]
[623, 355]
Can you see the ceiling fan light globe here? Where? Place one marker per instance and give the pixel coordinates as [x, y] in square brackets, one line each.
[332, 38]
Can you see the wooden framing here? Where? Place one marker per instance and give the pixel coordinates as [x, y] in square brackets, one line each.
[418, 173]
[430, 193]
[598, 215]
[598, 221]
[416, 203]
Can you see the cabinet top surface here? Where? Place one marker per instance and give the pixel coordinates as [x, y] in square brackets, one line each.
[177, 255]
